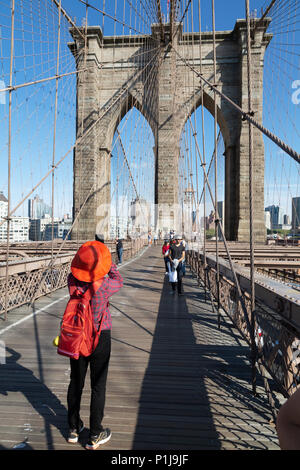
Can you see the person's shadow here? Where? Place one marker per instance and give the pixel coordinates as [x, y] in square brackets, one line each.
[16, 378]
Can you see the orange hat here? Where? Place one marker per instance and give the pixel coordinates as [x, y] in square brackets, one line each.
[91, 262]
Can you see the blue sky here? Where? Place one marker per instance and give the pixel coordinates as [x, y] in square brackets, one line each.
[226, 13]
[33, 106]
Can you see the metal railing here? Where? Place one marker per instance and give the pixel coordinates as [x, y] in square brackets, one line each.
[31, 277]
[276, 321]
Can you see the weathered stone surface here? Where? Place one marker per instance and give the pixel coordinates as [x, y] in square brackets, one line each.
[167, 92]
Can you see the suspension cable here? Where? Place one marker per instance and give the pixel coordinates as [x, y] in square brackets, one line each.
[9, 152]
[79, 139]
[58, 4]
[245, 115]
[216, 161]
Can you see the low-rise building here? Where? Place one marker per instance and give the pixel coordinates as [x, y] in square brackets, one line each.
[18, 227]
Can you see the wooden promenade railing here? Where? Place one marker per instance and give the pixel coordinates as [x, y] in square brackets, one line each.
[30, 275]
[277, 319]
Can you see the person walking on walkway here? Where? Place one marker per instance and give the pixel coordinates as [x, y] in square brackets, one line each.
[91, 263]
[183, 242]
[119, 248]
[165, 253]
[177, 256]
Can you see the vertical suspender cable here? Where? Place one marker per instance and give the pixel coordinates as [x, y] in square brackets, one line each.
[54, 133]
[65, 14]
[9, 152]
[195, 120]
[83, 78]
[203, 149]
[216, 164]
[103, 16]
[252, 320]
[236, 281]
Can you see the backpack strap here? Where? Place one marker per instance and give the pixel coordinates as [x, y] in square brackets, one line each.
[92, 289]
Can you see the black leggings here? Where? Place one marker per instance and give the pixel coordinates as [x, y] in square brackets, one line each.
[98, 362]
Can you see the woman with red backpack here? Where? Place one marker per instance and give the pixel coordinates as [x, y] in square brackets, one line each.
[91, 264]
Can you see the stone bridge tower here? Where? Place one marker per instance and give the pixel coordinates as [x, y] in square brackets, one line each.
[114, 76]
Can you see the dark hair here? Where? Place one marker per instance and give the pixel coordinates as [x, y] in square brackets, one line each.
[99, 238]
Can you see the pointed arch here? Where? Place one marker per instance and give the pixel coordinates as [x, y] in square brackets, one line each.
[121, 109]
[132, 169]
[195, 101]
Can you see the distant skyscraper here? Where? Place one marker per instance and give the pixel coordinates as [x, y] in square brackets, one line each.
[37, 209]
[3, 205]
[268, 219]
[276, 216]
[295, 212]
[140, 213]
[221, 212]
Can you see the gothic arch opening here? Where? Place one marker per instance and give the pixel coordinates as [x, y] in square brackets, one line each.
[123, 107]
[197, 146]
[132, 174]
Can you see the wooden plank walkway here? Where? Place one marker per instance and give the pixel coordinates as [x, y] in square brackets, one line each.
[175, 380]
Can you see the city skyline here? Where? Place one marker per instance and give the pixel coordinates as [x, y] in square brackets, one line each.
[32, 142]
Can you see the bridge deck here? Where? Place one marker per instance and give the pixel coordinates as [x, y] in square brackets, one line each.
[175, 380]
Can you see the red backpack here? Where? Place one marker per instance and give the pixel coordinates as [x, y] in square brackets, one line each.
[78, 335]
